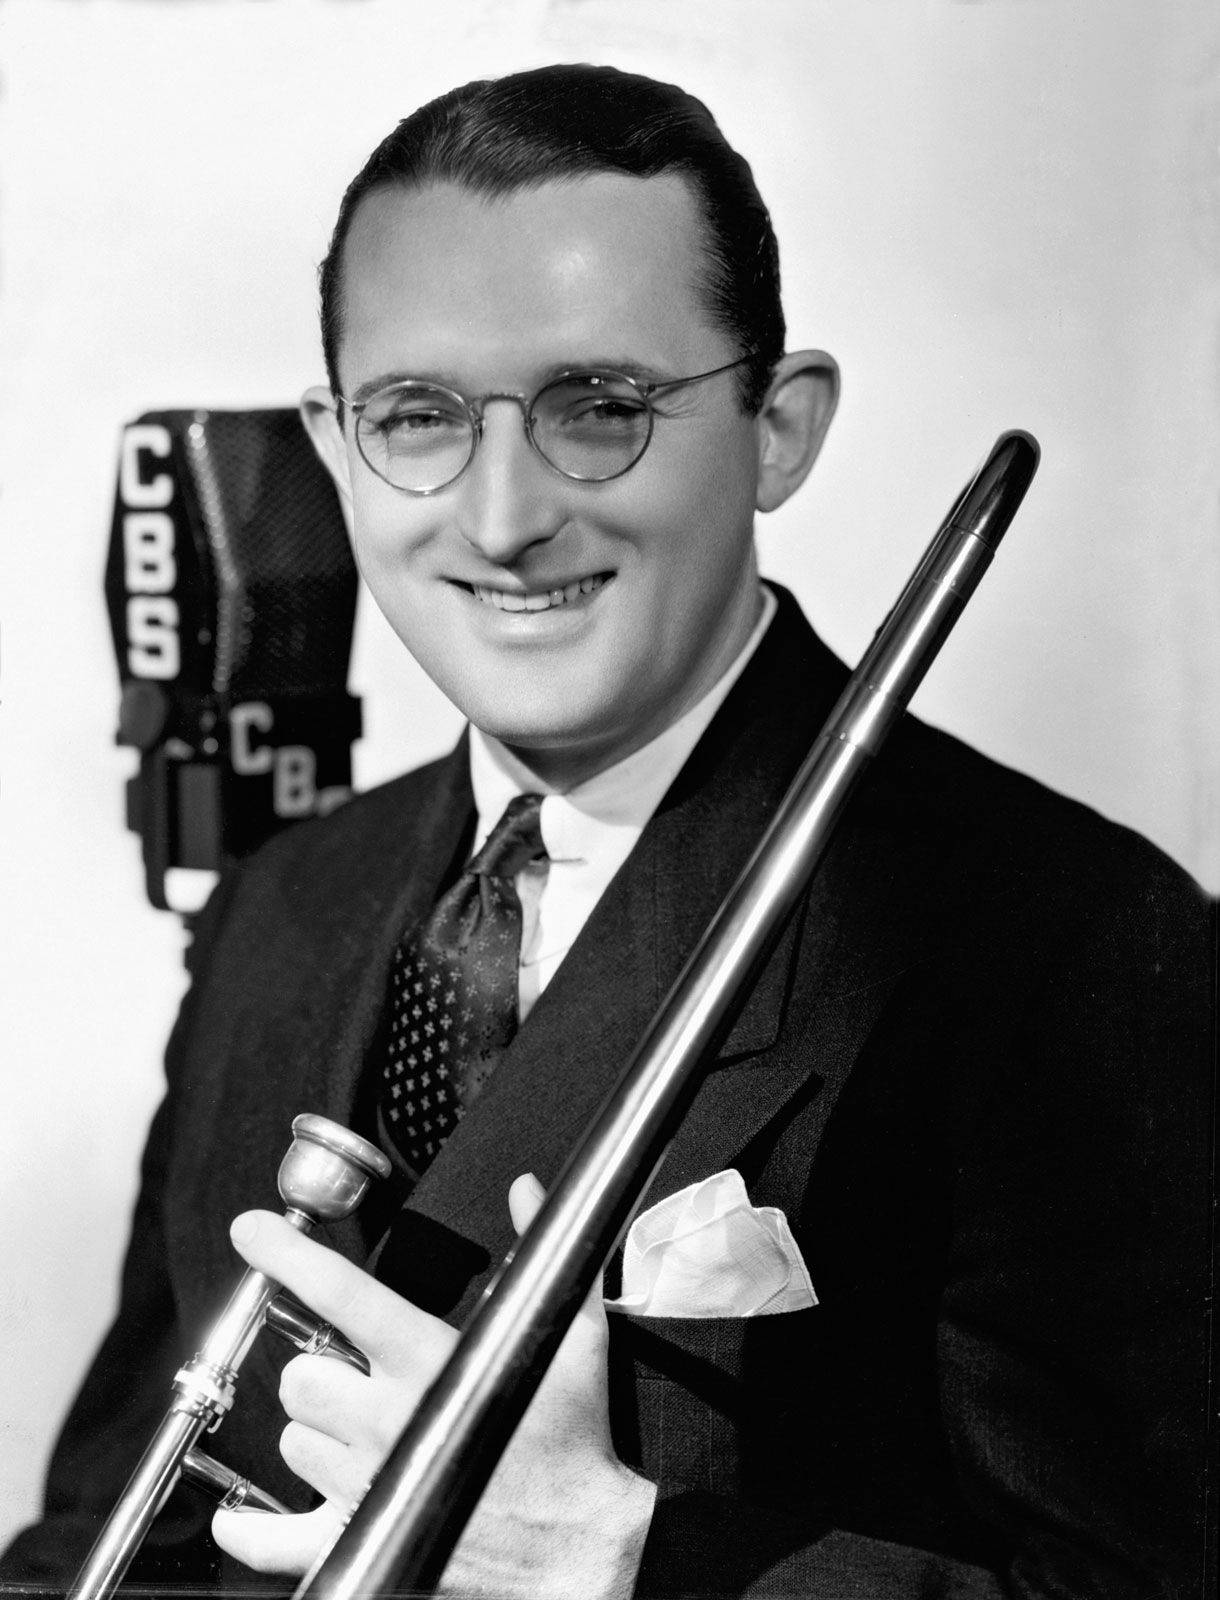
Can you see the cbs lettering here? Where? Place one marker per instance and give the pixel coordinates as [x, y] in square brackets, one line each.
[150, 569]
[293, 767]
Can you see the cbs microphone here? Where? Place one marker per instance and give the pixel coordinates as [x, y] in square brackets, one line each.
[232, 592]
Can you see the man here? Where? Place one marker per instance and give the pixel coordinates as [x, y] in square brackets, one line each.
[972, 1077]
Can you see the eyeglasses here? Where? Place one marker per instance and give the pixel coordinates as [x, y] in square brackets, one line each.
[591, 426]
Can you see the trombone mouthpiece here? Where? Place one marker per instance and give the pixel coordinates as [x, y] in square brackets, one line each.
[327, 1169]
[990, 502]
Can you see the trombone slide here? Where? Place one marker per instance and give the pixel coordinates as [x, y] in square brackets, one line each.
[414, 1511]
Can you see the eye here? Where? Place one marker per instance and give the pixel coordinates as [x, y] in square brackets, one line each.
[604, 409]
[592, 406]
[412, 420]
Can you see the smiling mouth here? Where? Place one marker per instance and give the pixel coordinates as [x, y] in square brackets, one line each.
[541, 599]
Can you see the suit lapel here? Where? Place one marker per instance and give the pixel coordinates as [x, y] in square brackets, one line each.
[394, 884]
[838, 976]
[401, 885]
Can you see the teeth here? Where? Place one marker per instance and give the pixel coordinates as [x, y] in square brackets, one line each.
[545, 600]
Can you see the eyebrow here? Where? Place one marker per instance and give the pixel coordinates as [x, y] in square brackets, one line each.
[640, 371]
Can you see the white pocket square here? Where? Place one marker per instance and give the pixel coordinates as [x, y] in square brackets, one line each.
[707, 1252]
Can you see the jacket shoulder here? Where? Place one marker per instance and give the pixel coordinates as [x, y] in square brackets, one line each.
[362, 823]
[1017, 829]
[339, 863]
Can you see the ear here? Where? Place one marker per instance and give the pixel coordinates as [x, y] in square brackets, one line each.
[792, 423]
[319, 413]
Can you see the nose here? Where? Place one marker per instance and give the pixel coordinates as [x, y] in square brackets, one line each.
[509, 499]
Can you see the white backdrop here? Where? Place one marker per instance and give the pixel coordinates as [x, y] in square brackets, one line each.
[996, 214]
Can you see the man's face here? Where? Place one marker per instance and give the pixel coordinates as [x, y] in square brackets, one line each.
[654, 571]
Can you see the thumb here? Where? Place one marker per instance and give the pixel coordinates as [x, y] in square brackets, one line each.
[269, 1542]
[525, 1197]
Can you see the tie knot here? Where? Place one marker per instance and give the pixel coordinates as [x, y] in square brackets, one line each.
[515, 840]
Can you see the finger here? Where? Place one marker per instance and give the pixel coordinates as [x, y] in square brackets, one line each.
[271, 1543]
[352, 1409]
[333, 1469]
[383, 1324]
[326, 1395]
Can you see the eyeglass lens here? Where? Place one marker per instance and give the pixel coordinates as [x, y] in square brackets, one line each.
[590, 426]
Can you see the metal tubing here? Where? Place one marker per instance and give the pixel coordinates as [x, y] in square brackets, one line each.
[149, 1484]
[230, 1488]
[203, 1393]
[323, 1177]
[402, 1533]
[294, 1323]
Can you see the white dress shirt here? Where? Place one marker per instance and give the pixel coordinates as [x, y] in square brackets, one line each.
[590, 830]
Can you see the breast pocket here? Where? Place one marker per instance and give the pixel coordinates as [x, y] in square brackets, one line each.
[720, 1404]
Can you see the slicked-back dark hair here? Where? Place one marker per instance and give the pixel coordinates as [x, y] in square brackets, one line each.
[500, 134]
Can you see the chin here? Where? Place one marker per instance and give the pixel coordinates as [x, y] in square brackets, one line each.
[525, 733]
[548, 710]
[563, 749]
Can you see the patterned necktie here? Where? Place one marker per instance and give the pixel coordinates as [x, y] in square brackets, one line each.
[454, 987]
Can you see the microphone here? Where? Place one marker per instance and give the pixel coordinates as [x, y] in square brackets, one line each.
[231, 591]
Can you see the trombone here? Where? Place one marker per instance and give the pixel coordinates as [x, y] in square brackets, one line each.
[401, 1534]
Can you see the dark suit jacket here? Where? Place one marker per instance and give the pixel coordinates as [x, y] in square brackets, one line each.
[974, 1075]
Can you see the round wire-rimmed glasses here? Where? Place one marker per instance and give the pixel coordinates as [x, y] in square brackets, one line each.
[589, 425]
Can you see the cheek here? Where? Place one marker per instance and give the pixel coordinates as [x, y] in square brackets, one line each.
[389, 533]
[696, 509]
[378, 534]
[728, 475]
[390, 554]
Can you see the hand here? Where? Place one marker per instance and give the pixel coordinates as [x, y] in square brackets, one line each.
[561, 1514]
